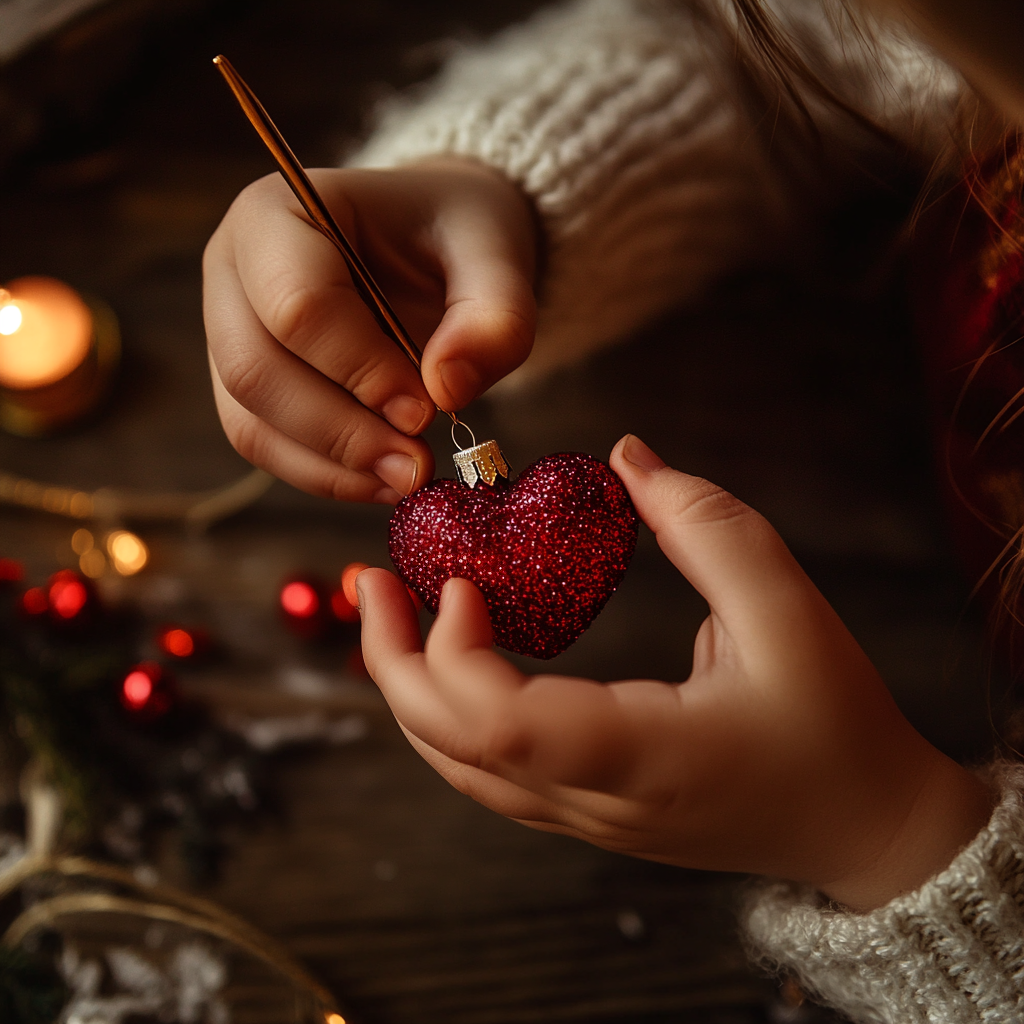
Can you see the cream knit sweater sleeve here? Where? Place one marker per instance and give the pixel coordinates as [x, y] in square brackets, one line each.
[627, 124]
[950, 953]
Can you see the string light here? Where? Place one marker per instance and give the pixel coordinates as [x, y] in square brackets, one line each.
[67, 595]
[127, 552]
[178, 642]
[81, 541]
[93, 564]
[145, 691]
[184, 643]
[136, 689]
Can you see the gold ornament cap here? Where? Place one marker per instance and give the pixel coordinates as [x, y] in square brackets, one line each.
[482, 463]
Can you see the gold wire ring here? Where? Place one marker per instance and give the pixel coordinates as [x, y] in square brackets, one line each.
[456, 422]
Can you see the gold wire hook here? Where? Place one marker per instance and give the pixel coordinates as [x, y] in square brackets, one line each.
[294, 173]
[456, 422]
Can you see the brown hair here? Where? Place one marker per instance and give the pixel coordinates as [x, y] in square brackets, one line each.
[979, 178]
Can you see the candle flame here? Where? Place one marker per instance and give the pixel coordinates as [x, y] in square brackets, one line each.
[10, 318]
[46, 331]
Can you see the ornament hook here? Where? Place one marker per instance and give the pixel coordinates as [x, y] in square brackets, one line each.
[456, 422]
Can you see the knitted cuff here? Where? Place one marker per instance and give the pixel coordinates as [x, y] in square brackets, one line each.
[951, 952]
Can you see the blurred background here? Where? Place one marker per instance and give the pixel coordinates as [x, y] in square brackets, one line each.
[120, 149]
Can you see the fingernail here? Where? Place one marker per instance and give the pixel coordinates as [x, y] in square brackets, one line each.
[461, 381]
[407, 414]
[636, 452]
[397, 470]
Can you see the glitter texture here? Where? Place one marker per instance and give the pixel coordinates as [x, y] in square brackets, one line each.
[546, 552]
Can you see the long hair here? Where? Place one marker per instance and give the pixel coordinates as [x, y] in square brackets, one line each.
[970, 206]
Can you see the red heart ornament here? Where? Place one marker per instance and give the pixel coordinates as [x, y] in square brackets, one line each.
[547, 551]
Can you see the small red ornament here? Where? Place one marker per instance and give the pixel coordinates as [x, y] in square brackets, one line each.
[146, 691]
[546, 551]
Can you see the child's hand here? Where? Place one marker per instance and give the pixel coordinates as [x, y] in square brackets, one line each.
[782, 754]
[307, 385]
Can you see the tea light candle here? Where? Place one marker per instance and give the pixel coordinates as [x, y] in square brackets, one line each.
[57, 352]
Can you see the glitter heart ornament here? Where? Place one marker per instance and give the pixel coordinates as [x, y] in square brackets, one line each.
[546, 550]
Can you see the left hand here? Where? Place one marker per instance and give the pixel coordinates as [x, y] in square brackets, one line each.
[782, 754]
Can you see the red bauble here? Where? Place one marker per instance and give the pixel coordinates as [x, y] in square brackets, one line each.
[546, 552]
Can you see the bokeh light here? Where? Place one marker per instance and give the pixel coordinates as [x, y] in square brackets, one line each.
[68, 596]
[344, 610]
[128, 553]
[82, 541]
[299, 600]
[92, 563]
[11, 570]
[10, 319]
[136, 689]
[35, 602]
[177, 642]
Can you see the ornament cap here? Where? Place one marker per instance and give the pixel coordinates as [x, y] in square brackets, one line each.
[482, 463]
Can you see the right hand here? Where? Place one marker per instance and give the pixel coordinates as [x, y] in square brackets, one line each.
[307, 385]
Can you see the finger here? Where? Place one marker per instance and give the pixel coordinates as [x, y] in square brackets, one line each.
[300, 289]
[541, 731]
[487, 258]
[392, 651]
[288, 460]
[298, 401]
[565, 812]
[393, 655]
[732, 556]
[498, 794]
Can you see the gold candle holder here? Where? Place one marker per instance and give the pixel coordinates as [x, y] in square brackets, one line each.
[58, 353]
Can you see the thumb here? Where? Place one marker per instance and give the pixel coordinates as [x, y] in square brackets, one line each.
[729, 552]
[487, 255]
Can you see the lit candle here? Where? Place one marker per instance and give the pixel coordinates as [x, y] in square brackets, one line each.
[57, 352]
[45, 332]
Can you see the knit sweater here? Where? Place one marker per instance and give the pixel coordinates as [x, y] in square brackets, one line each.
[950, 953]
[654, 163]
[656, 167]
